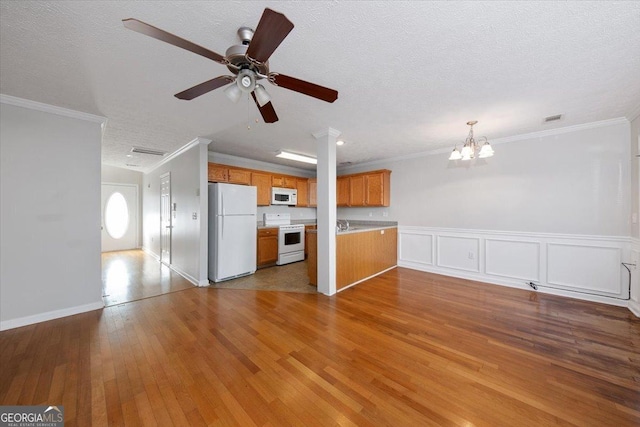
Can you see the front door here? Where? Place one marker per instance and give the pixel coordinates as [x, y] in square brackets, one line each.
[165, 218]
[119, 217]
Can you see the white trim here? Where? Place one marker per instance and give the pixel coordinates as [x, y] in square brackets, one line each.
[257, 164]
[39, 106]
[178, 152]
[366, 278]
[186, 275]
[326, 133]
[50, 315]
[514, 138]
[484, 279]
[634, 114]
[544, 241]
[526, 234]
[634, 307]
[151, 253]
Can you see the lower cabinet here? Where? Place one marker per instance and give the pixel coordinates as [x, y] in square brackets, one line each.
[306, 238]
[267, 246]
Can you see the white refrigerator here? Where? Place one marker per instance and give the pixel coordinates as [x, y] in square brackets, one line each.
[232, 231]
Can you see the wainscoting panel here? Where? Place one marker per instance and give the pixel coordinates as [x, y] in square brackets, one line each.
[513, 258]
[579, 266]
[417, 247]
[584, 268]
[458, 252]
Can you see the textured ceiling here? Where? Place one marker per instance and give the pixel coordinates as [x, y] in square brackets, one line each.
[409, 74]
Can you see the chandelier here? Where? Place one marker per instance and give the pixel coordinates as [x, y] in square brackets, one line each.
[470, 147]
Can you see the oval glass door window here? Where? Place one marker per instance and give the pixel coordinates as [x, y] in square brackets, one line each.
[116, 216]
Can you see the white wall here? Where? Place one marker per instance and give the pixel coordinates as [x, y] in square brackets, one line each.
[296, 213]
[553, 208]
[188, 182]
[115, 175]
[634, 305]
[50, 212]
[576, 183]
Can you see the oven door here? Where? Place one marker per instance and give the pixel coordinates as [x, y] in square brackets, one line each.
[291, 240]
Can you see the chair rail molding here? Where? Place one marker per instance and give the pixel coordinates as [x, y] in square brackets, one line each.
[579, 266]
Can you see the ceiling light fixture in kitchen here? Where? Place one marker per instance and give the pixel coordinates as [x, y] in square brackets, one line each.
[470, 147]
[297, 157]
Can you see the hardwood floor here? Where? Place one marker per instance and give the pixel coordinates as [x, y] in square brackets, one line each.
[403, 349]
[132, 275]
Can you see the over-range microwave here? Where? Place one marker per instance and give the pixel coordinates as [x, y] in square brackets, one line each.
[284, 196]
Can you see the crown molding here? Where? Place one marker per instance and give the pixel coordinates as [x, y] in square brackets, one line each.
[515, 138]
[325, 133]
[635, 113]
[39, 106]
[193, 143]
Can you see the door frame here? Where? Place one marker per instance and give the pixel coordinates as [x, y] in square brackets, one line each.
[137, 209]
[170, 213]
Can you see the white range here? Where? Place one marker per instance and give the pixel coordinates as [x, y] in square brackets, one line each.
[290, 237]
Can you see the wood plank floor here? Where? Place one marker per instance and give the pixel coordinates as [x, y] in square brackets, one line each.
[404, 349]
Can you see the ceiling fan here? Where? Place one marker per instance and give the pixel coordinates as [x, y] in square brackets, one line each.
[249, 62]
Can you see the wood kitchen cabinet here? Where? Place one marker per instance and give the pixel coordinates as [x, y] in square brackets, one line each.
[342, 191]
[302, 184]
[263, 182]
[357, 190]
[313, 192]
[223, 173]
[267, 246]
[217, 173]
[284, 181]
[364, 189]
[306, 238]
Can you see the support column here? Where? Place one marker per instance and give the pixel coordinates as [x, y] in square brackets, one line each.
[326, 210]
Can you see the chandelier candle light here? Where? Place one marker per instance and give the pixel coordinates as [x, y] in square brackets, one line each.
[470, 147]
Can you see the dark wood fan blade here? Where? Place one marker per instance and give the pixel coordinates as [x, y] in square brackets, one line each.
[203, 88]
[311, 89]
[272, 29]
[157, 33]
[268, 113]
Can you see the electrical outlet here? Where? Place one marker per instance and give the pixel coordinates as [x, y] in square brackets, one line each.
[194, 215]
[385, 213]
[471, 255]
[370, 213]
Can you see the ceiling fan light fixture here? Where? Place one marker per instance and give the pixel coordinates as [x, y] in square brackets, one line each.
[297, 157]
[246, 80]
[233, 92]
[262, 96]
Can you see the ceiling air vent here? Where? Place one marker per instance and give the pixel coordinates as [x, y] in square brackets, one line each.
[142, 150]
[552, 118]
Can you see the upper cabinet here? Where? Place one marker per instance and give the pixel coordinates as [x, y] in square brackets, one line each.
[313, 192]
[364, 189]
[263, 182]
[302, 185]
[283, 181]
[223, 173]
[342, 191]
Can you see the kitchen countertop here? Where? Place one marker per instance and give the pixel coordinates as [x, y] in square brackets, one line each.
[293, 222]
[356, 226]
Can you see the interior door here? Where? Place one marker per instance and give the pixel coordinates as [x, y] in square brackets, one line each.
[119, 217]
[165, 218]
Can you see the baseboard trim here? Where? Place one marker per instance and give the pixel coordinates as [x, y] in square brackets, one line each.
[50, 315]
[491, 281]
[634, 307]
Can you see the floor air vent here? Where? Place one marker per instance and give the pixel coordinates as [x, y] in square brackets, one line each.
[142, 150]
